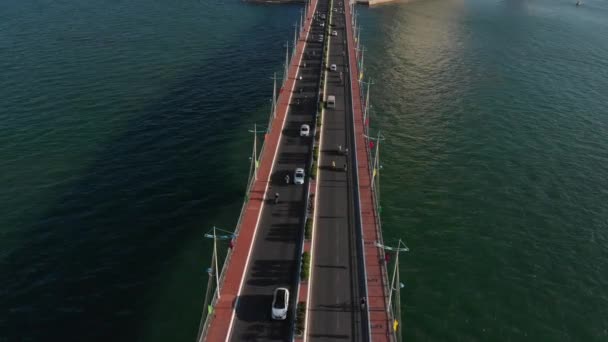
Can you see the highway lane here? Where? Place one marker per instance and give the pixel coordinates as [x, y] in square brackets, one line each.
[334, 303]
[274, 257]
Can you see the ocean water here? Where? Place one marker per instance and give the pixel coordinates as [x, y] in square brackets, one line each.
[495, 165]
[124, 138]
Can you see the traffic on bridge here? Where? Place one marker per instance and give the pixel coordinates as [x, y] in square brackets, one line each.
[306, 261]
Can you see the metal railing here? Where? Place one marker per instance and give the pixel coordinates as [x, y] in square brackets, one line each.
[376, 204]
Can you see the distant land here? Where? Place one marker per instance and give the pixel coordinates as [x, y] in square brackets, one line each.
[367, 2]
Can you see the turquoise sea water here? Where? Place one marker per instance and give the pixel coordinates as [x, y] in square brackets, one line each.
[123, 138]
[495, 165]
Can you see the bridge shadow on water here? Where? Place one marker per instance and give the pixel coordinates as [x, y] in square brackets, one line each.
[87, 264]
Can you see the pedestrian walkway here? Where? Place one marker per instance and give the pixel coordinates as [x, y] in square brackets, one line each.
[377, 290]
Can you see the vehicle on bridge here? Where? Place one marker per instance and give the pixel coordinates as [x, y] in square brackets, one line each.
[331, 101]
[305, 130]
[298, 176]
[280, 303]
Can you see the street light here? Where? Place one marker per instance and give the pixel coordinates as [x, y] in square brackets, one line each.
[286, 62]
[255, 148]
[401, 247]
[361, 49]
[295, 38]
[367, 105]
[274, 98]
[216, 237]
[376, 167]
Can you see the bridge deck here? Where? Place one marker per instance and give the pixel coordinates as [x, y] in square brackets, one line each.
[223, 316]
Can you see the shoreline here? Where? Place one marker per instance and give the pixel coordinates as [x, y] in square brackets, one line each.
[272, 2]
[277, 2]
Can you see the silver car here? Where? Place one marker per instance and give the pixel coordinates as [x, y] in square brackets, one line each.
[280, 303]
[304, 130]
[298, 176]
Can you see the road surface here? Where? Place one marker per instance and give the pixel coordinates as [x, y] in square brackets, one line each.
[274, 257]
[335, 298]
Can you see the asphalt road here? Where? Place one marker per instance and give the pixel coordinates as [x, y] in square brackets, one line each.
[274, 258]
[334, 303]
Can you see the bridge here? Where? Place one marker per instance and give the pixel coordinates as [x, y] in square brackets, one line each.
[321, 240]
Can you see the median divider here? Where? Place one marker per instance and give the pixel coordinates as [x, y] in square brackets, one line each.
[302, 314]
[305, 270]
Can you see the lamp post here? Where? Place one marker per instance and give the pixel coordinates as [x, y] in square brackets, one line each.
[358, 28]
[255, 149]
[376, 162]
[367, 104]
[361, 61]
[286, 71]
[216, 237]
[273, 113]
[295, 38]
[360, 67]
[395, 285]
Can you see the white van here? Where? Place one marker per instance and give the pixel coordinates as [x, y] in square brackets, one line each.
[331, 101]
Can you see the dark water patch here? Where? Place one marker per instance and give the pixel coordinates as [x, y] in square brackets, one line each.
[84, 268]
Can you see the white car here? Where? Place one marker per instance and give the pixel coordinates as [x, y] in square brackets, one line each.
[322, 24]
[334, 33]
[280, 303]
[333, 67]
[298, 176]
[305, 131]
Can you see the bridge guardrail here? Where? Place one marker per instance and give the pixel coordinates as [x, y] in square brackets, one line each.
[376, 202]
